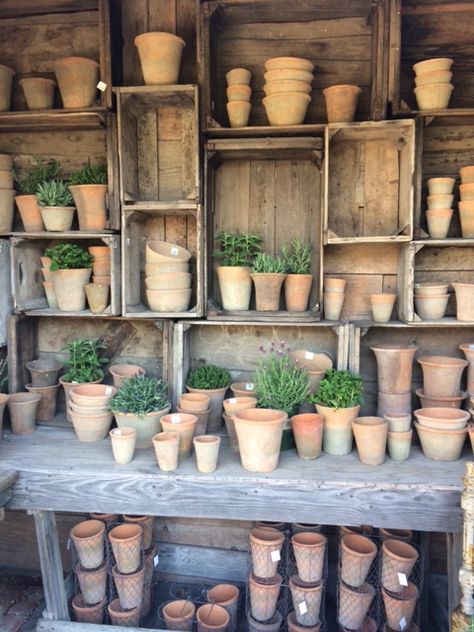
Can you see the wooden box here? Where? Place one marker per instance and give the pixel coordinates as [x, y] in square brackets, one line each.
[369, 170]
[270, 187]
[27, 279]
[343, 40]
[183, 228]
[158, 144]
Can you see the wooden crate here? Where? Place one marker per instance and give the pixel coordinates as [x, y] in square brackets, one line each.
[271, 187]
[27, 279]
[344, 41]
[369, 170]
[158, 144]
[183, 227]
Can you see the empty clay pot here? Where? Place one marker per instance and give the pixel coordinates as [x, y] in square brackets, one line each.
[308, 432]
[382, 306]
[91, 203]
[341, 103]
[127, 542]
[237, 76]
[430, 289]
[438, 220]
[160, 57]
[206, 448]
[334, 284]
[121, 617]
[433, 96]
[84, 613]
[467, 174]
[122, 372]
[267, 290]
[231, 433]
[166, 446]
[185, 425]
[263, 596]
[354, 604]
[440, 402]
[30, 213]
[337, 429]
[357, 554]
[370, 434]
[92, 583]
[439, 201]
[333, 302]
[398, 422]
[47, 405]
[194, 402]
[179, 614]
[305, 527]
[129, 588]
[169, 281]
[97, 297]
[243, 389]
[400, 608]
[7, 207]
[216, 397]
[464, 301]
[291, 74]
[311, 596]
[441, 445]
[397, 557]
[432, 307]
[69, 288]
[394, 367]
[238, 113]
[77, 79]
[123, 442]
[89, 428]
[39, 92]
[92, 394]
[287, 108]
[235, 286]
[297, 288]
[88, 537]
[212, 618]
[265, 546]
[442, 418]
[440, 186]
[399, 445]
[22, 407]
[234, 404]
[309, 549]
[44, 372]
[259, 432]
[227, 596]
[442, 375]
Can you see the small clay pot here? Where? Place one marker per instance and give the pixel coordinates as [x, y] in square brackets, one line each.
[122, 372]
[267, 290]
[265, 546]
[227, 596]
[44, 372]
[147, 426]
[432, 307]
[308, 432]
[212, 618]
[123, 442]
[166, 446]
[237, 76]
[272, 625]
[294, 626]
[439, 220]
[399, 445]
[47, 405]
[464, 301]
[30, 213]
[97, 297]
[216, 397]
[466, 192]
[382, 306]
[202, 420]
[440, 186]
[370, 434]
[334, 284]
[264, 596]
[259, 432]
[398, 422]
[397, 557]
[127, 542]
[440, 402]
[430, 289]
[234, 404]
[194, 403]
[77, 79]
[39, 92]
[179, 614]
[311, 596]
[160, 57]
[341, 103]
[433, 96]
[439, 201]
[84, 613]
[239, 92]
[333, 302]
[337, 430]
[309, 549]
[206, 448]
[88, 537]
[357, 554]
[287, 108]
[442, 374]
[22, 407]
[297, 289]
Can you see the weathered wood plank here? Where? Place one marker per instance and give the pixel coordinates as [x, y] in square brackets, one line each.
[69, 626]
[7, 478]
[455, 560]
[196, 561]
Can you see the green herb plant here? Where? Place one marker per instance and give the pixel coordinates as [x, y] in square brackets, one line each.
[53, 193]
[208, 377]
[279, 382]
[237, 249]
[296, 257]
[84, 362]
[267, 263]
[140, 395]
[68, 257]
[339, 389]
[41, 171]
[90, 174]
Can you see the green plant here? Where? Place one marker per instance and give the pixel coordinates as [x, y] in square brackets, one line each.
[40, 171]
[339, 389]
[68, 257]
[296, 257]
[279, 382]
[140, 395]
[53, 193]
[237, 249]
[267, 263]
[208, 376]
[84, 363]
[90, 174]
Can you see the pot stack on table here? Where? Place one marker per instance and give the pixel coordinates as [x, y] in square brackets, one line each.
[288, 89]
[433, 83]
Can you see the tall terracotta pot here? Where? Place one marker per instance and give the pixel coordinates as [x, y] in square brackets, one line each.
[264, 596]
[337, 431]
[129, 587]
[89, 537]
[216, 398]
[160, 57]
[91, 204]
[442, 375]
[394, 367]
[69, 286]
[47, 405]
[30, 213]
[39, 92]
[370, 435]
[92, 583]
[308, 432]
[22, 407]
[77, 79]
[297, 288]
[309, 549]
[227, 596]
[311, 596]
[265, 547]
[357, 555]
[400, 608]
[354, 604]
[146, 523]
[127, 542]
[185, 425]
[235, 285]
[122, 372]
[267, 290]
[398, 557]
[259, 432]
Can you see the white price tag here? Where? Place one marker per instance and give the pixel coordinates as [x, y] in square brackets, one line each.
[402, 579]
[403, 623]
[249, 386]
[108, 390]
[174, 252]
[275, 555]
[101, 86]
[233, 400]
[303, 608]
[309, 355]
[175, 419]
[155, 560]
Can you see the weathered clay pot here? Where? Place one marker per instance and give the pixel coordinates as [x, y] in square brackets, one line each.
[309, 549]
[169, 300]
[238, 92]
[122, 372]
[84, 613]
[265, 541]
[391, 404]
[202, 420]
[311, 596]
[370, 435]
[194, 403]
[396, 534]
[399, 445]
[333, 302]
[263, 596]
[6, 179]
[433, 96]
[100, 253]
[397, 557]
[89, 537]
[267, 290]
[68, 386]
[400, 608]
[431, 289]
[169, 281]
[39, 92]
[398, 422]
[147, 426]
[275, 63]
[165, 252]
[105, 517]
[7, 207]
[238, 76]
[178, 615]
[206, 449]
[464, 300]
[442, 375]
[227, 596]
[47, 405]
[243, 389]
[216, 397]
[382, 306]
[286, 108]
[357, 554]
[308, 432]
[433, 76]
[6, 80]
[44, 372]
[123, 442]
[22, 407]
[259, 432]
[69, 286]
[92, 583]
[238, 113]
[337, 430]
[364, 529]
[91, 204]
[121, 617]
[89, 428]
[77, 79]
[160, 57]
[441, 445]
[212, 618]
[334, 284]
[432, 307]
[97, 297]
[354, 604]
[234, 404]
[442, 418]
[235, 285]
[466, 192]
[294, 626]
[297, 288]
[166, 446]
[341, 103]
[440, 402]
[127, 542]
[440, 186]
[467, 174]
[272, 625]
[57, 218]
[394, 367]
[92, 395]
[438, 220]
[288, 74]
[30, 213]
[185, 425]
[466, 217]
[129, 588]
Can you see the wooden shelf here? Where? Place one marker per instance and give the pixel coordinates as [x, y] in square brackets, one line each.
[451, 241]
[367, 240]
[443, 322]
[427, 114]
[71, 234]
[47, 311]
[148, 313]
[91, 118]
[278, 317]
[266, 130]
[181, 207]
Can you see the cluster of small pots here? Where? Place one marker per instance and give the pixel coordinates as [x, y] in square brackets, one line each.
[440, 200]
[167, 277]
[433, 83]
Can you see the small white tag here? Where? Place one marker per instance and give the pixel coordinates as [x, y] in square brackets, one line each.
[68, 544]
[309, 355]
[249, 386]
[155, 560]
[101, 86]
[232, 400]
[303, 608]
[275, 555]
[175, 419]
[174, 252]
[108, 390]
[403, 623]
[402, 579]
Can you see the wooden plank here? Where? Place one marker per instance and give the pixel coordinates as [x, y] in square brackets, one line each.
[134, 22]
[7, 478]
[196, 561]
[455, 559]
[30, 7]
[162, 15]
[221, 534]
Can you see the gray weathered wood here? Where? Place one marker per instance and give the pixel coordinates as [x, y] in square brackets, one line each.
[68, 626]
[455, 557]
[7, 478]
[196, 561]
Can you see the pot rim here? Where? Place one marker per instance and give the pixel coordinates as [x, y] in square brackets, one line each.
[448, 433]
[409, 548]
[159, 35]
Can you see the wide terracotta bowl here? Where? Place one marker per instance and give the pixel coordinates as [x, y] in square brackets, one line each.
[442, 418]
[441, 445]
[440, 402]
[164, 252]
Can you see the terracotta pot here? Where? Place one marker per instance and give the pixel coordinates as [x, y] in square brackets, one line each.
[169, 281]
[88, 614]
[129, 588]
[399, 445]
[433, 76]
[243, 389]
[440, 186]
[238, 92]
[89, 538]
[263, 596]
[47, 405]
[337, 430]
[272, 625]
[202, 419]
[147, 426]
[308, 432]
[30, 213]
[309, 549]
[397, 534]
[178, 615]
[68, 386]
[238, 76]
[287, 108]
[123, 444]
[357, 554]
[7, 204]
[185, 425]
[430, 289]
[39, 92]
[165, 252]
[270, 524]
[354, 604]
[206, 448]
[441, 402]
[234, 404]
[382, 306]
[57, 218]
[390, 404]
[400, 609]
[442, 418]
[464, 301]
[69, 286]
[468, 350]
[91, 204]
[334, 284]
[227, 596]
[235, 285]
[467, 174]
[438, 221]
[259, 432]
[466, 192]
[92, 394]
[333, 302]
[212, 618]
[439, 201]
[315, 378]
[22, 407]
[92, 583]
[238, 113]
[168, 300]
[297, 289]
[194, 403]
[341, 103]
[275, 63]
[127, 542]
[101, 268]
[431, 307]
[370, 435]
[312, 361]
[87, 410]
[265, 546]
[394, 367]
[100, 253]
[105, 517]
[124, 618]
[3, 402]
[433, 96]
[6, 80]
[441, 445]
[288, 74]
[442, 375]
[398, 422]
[311, 596]
[122, 372]
[397, 557]
[216, 398]
[97, 297]
[294, 626]
[267, 290]
[166, 446]
[44, 372]
[77, 79]
[90, 428]
[160, 57]
[286, 85]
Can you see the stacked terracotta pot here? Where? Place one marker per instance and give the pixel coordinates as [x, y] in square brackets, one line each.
[433, 83]
[431, 300]
[440, 211]
[167, 277]
[97, 292]
[7, 192]
[44, 382]
[239, 93]
[466, 203]
[89, 410]
[231, 407]
[333, 297]
[399, 435]
[399, 594]
[394, 374]
[288, 89]
[197, 404]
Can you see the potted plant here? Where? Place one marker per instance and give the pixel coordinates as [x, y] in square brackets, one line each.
[236, 255]
[268, 276]
[89, 190]
[297, 260]
[338, 399]
[28, 182]
[212, 381]
[71, 268]
[55, 202]
[140, 403]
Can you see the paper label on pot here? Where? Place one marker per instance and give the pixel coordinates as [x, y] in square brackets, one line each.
[108, 390]
[155, 560]
[174, 252]
[275, 555]
[303, 608]
[101, 86]
[232, 400]
[249, 386]
[402, 579]
[403, 623]
[309, 355]
[175, 419]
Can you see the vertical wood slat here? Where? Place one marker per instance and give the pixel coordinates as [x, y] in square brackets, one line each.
[455, 558]
[22, 344]
[394, 55]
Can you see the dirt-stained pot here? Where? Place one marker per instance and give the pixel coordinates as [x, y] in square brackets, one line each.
[22, 407]
[127, 542]
[146, 523]
[122, 372]
[297, 289]
[39, 92]
[311, 596]
[206, 449]
[216, 397]
[400, 608]
[265, 546]
[179, 615]
[259, 432]
[91, 205]
[370, 435]
[147, 426]
[337, 430]
[341, 103]
[69, 286]
[84, 613]
[121, 617]
[166, 446]
[92, 583]
[294, 626]
[123, 442]
[464, 301]
[160, 57]
[235, 286]
[264, 596]
[442, 375]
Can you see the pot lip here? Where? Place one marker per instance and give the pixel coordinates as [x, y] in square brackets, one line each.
[394, 348]
[439, 86]
[420, 393]
[96, 390]
[291, 619]
[277, 537]
[296, 582]
[76, 59]
[81, 417]
[437, 413]
[370, 421]
[361, 539]
[411, 592]
[278, 619]
[320, 540]
[441, 178]
[357, 406]
[34, 389]
[214, 391]
[42, 79]
[270, 582]
[412, 553]
[51, 209]
[219, 267]
[98, 523]
[57, 365]
[116, 573]
[466, 346]
[444, 361]
[152, 414]
[116, 433]
[210, 607]
[225, 586]
[431, 59]
[78, 606]
[401, 435]
[386, 297]
[123, 364]
[83, 186]
[276, 416]
[424, 297]
[8, 68]
[345, 86]
[159, 35]
[207, 439]
[128, 525]
[440, 211]
[31, 397]
[470, 285]
[365, 589]
[447, 433]
[167, 435]
[267, 274]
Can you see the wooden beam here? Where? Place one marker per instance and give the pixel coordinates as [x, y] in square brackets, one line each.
[433, 9]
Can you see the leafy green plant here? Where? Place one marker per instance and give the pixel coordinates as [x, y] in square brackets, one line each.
[208, 377]
[267, 263]
[140, 395]
[84, 362]
[42, 170]
[279, 382]
[296, 257]
[53, 193]
[237, 249]
[90, 174]
[339, 389]
[68, 257]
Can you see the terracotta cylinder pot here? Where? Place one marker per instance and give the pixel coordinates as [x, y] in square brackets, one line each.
[44, 372]
[468, 350]
[185, 425]
[231, 433]
[77, 79]
[57, 218]
[216, 397]
[178, 615]
[399, 445]
[206, 448]
[123, 442]
[3, 402]
[333, 302]
[370, 435]
[441, 445]
[389, 404]
[357, 554]
[88, 537]
[146, 523]
[92, 583]
[297, 289]
[91, 203]
[238, 76]
[69, 286]
[202, 420]
[394, 367]
[267, 290]
[309, 549]
[166, 446]
[212, 618]
[127, 542]
[442, 375]
[308, 432]
[337, 429]
[438, 221]
[39, 92]
[234, 404]
[397, 557]
[84, 613]
[309, 595]
[259, 432]
[147, 426]
[7, 205]
[464, 301]
[238, 113]
[263, 596]
[194, 403]
[125, 618]
[401, 607]
[30, 213]
[122, 372]
[160, 57]
[22, 407]
[265, 546]
[398, 422]
[227, 596]
[47, 405]
[341, 103]
[272, 625]
[129, 588]
[6, 80]
[97, 297]
[294, 626]
[354, 604]
[382, 306]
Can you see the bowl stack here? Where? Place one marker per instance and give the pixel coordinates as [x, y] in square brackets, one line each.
[442, 432]
[89, 410]
[238, 96]
[167, 277]
[101, 264]
[440, 211]
[431, 300]
[466, 204]
[287, 89]
[433, 83]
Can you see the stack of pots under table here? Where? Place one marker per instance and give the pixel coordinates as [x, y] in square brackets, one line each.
[167, 277]
[394, 371]
[440, 212]
[287, 89]
[399, 594]
[89, 410]
[466, 203]
[431, 300]
[433, 83]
